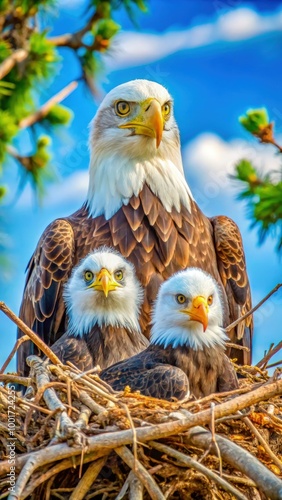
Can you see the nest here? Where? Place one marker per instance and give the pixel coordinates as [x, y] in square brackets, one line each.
[72, 437]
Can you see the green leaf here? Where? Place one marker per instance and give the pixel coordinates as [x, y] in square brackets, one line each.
[59, 115]
[106, 29]
[8, 129]
[255, 120]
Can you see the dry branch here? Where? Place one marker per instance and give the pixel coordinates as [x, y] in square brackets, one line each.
[190, 462]
[139, 470]
[239, 459]
[248, 313]
[44, 110]
[27, 331]
[15, 58]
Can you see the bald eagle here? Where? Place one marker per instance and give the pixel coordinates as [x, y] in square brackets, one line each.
[186, 354]
[138, 202]
[103, 299]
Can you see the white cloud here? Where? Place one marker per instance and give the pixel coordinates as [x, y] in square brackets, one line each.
[211, 158]
[134, 49]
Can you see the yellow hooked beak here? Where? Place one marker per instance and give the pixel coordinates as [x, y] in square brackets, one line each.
[149, 122]
[105, 282]
[199, 311]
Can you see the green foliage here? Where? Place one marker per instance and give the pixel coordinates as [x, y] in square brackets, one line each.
[255, 120]
[8, 130]
[106, 29]
[263, 196]
[59, 115]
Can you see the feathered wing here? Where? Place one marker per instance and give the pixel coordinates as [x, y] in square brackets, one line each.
[231, 264]
[75, 350]
[227, 379]
[148, 373]
[42, 307]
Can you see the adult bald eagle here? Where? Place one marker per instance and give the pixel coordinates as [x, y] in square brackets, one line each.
[187, 344]
[103, 299]
[138, 202]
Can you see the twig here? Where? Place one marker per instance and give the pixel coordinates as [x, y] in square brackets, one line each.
[74, 40]
[140, 472]
[20, 341]
[262, 441]
[190, 462]
[272, 365]
[16, 57]
[115, 439]
[68, 463]
[240, 459]
[88, 479]
[231, 326]
[44, 110]
[237, 346]
[135, 487]
[272, 350]
[15, 379]
[27, 331]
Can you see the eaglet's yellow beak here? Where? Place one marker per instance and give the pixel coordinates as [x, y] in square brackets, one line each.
[198, 311]
[105, 282]
[149, 122]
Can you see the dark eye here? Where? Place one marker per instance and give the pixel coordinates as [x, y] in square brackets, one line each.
[166, 109]
[88, 276]
[180, 298]
[210, 300]
[122, 108]
[118, 275]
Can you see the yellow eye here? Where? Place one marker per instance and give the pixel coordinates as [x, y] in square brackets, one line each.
[166, 109]
[210, 300]
[88, 276]
[122, 108]
[180, 298]
[118, 275]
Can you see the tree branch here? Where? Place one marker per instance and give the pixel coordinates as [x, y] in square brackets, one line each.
[190, 462]
[44, 110]
[8, 64]
[33, 336]
[229, 327]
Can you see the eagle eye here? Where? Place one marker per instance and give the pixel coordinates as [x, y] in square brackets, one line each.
[88, 276]
[118, 275]
[122, 108]
[180, 298]
[210, 300]
[166, 109]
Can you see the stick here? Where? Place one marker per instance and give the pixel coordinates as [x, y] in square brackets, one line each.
[140, 472]
[262, 441]
[44, 110]
[269, 354]
[190, 462]
[228, 328]
[88, 478]
[240, 459]
[20, 341]
[27, 331]
[143, 434]
[8, 64]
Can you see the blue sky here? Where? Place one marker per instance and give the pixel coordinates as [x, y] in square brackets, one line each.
[217, 58]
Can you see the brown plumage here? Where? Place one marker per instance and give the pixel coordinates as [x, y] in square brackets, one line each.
[172, 373]
[102, 346]
[187, 349]
[157, 234]
[103, 299]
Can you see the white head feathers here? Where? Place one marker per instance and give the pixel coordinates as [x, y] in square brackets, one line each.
[86, 306]
[173, 326]
[123, 159]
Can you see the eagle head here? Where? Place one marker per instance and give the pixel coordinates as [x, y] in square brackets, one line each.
[189, 311]
[134, 140]
[103, 289]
